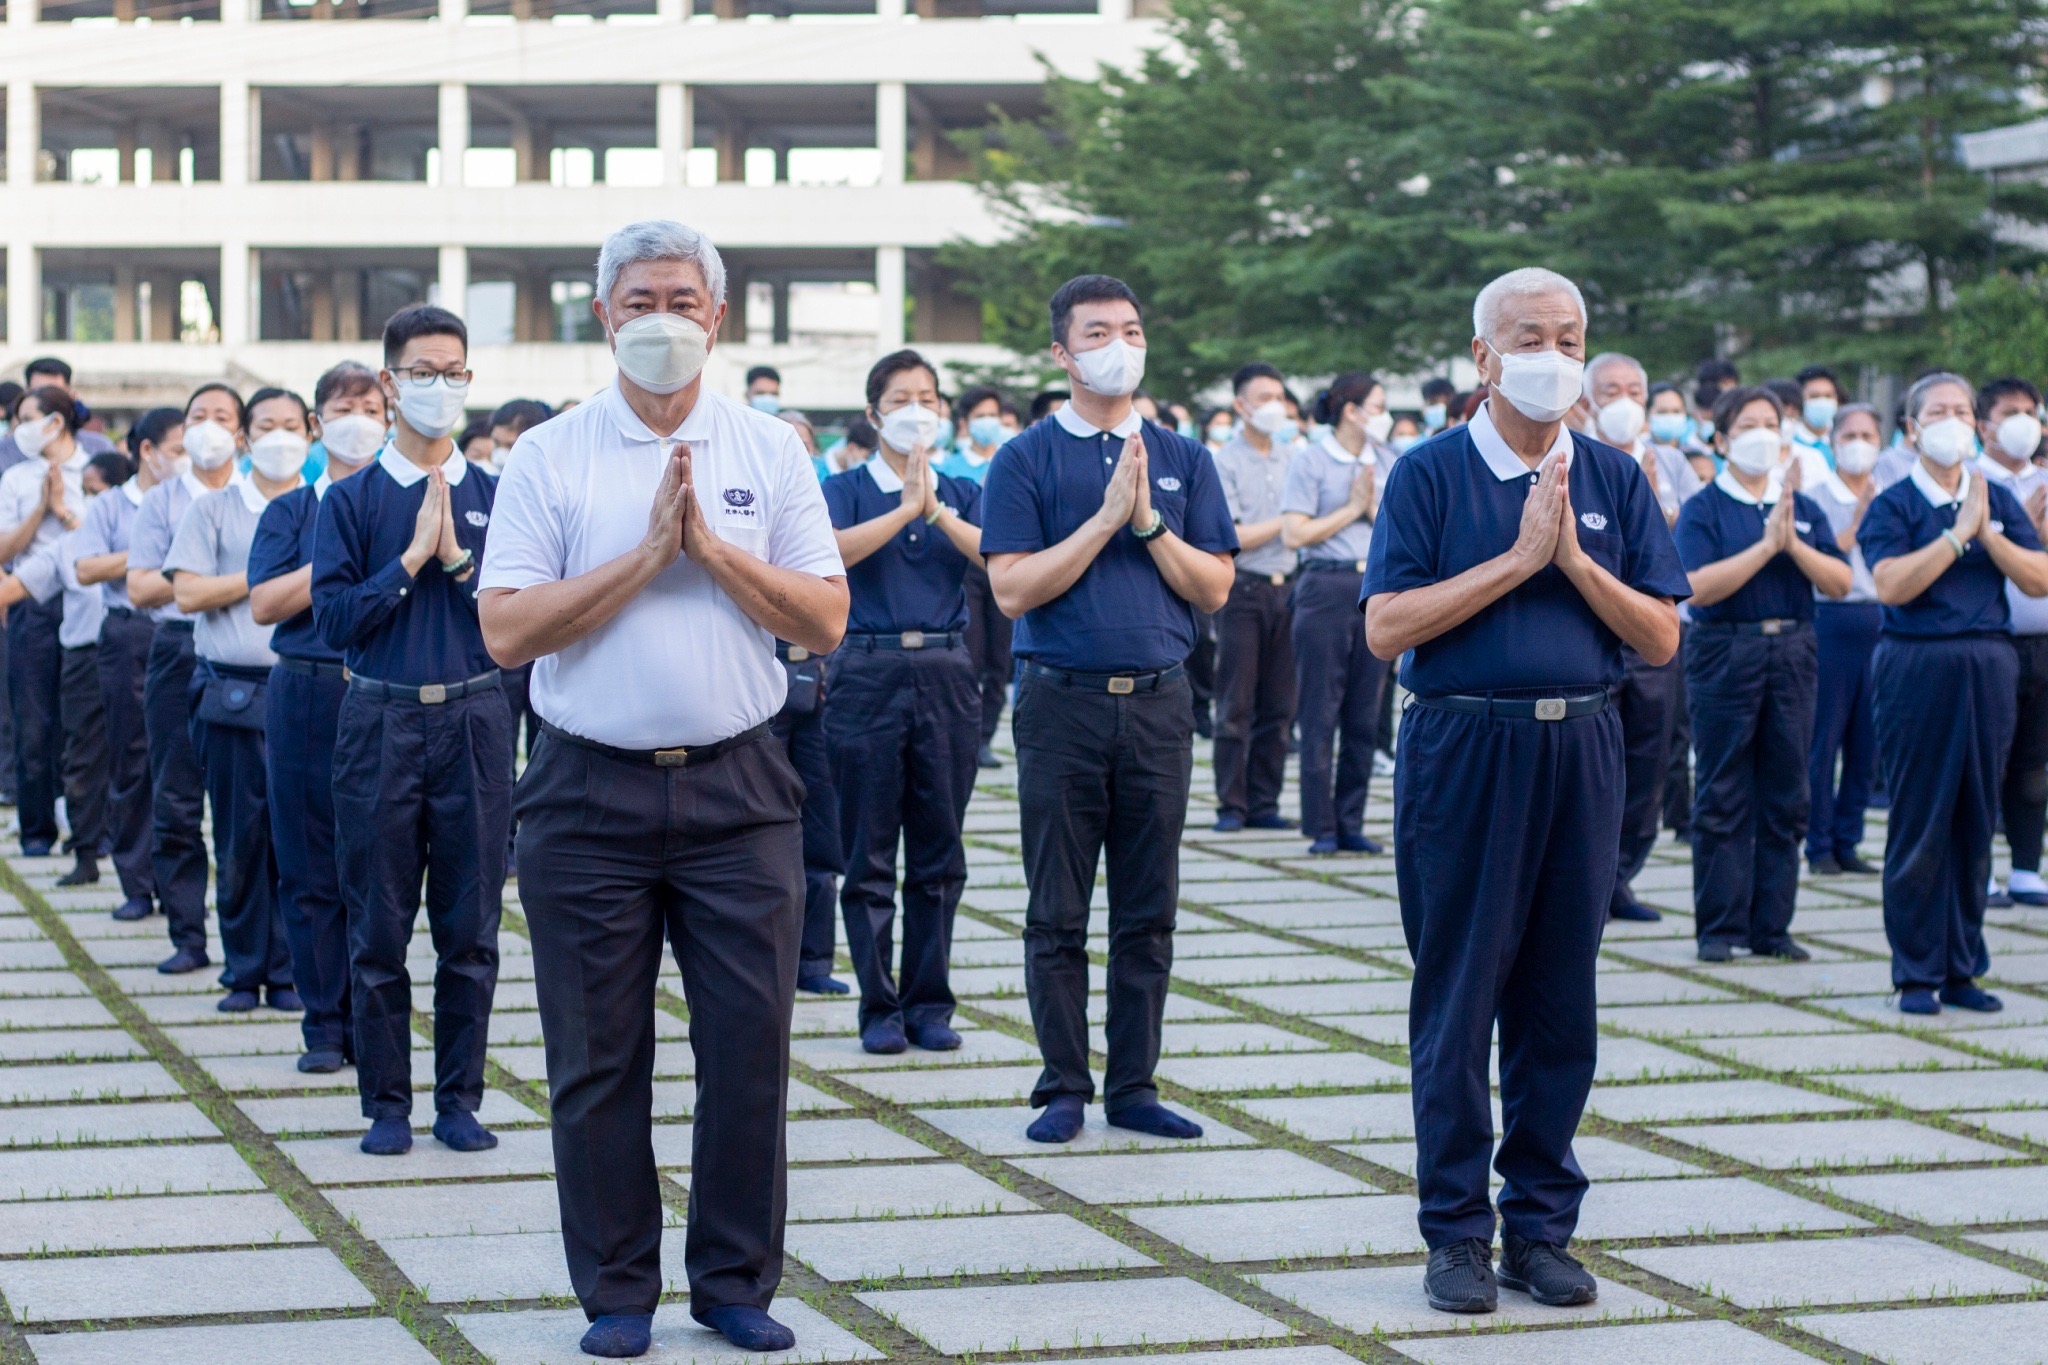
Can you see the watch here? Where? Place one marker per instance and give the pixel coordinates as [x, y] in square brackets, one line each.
[1152, 532]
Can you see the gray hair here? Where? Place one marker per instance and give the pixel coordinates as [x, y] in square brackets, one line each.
[1606, 358]
[1848, 410]
[1527, 283]
[1916, 397]
[658, 239]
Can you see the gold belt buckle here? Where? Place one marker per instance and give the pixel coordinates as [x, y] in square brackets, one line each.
[1276, 579]
[797, 654]
[1358, 566]
[1773, 627]
[1123, 687]
[912, 639]
[671, 758]
[433, 694]
[1550, 708]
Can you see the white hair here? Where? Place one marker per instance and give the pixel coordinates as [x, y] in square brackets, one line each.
[1916, 397]
[1600, 362]
[658, 239]
[1529, 282]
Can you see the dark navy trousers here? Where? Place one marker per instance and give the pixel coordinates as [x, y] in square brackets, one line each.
[1338, 710]
[1254, 696]
[1752, 733]
[252, 942]
[85, 750]
[299, 724]
[123, 658]
[34, 664]
[802, 733]
[422, 791]
[1647, 699]
[904, 726]
[2023, 796]
[1505, 833]
[1944, 723]
[988, 642]
[177, 847]
[1844, 726]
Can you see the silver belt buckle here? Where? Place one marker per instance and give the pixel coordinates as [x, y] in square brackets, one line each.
[1276, 579]
[913, 639]
[797, 654]
[1772, 627]
[1358, 566]
[671, 758]
[433, 694]
[1123, 687]
[1550, 708]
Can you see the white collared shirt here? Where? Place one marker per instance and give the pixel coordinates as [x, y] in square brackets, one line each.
[1079, 426]
[405, 473]
[2029, 614]
[1493, 447]
[22, 485]
[681, 664]
[1774, 484]
[886, 479]
[1936, 495]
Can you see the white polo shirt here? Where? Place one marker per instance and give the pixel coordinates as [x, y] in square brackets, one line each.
[22, 484]
[681, 664]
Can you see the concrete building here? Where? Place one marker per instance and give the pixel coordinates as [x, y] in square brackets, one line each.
[247, 188]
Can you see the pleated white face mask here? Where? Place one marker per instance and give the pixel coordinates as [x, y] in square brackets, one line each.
[1113, 370]
[1542, 385]
[661, 352]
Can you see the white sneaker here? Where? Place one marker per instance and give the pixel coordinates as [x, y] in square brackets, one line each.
[2022, 880]
[1382, 766]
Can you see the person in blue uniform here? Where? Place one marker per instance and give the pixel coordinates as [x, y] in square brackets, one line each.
[1104, 535]
[302, 709]
[905, 716]
[423, 745]
[1756, 550]
[987, 421]
[1513, 558]
[1941, 544]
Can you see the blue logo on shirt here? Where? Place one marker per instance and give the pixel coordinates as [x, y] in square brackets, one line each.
[739, 497]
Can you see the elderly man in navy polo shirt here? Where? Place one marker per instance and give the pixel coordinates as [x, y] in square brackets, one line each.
[1104, 535]
[1515, 559]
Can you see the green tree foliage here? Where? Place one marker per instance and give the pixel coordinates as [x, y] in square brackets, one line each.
[1324, 183]
[1998, 327]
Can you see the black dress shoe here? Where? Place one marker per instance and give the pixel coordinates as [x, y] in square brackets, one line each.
[1788, 951]
[84, 872]
[1824, 867]
[1546, 1273]
[986, 758]
[322, 1061]
[1716, 950]
[1270, 822]
[182, 961]
[1855, 865]
[134, 908]
[1999, 900]
[1460, 1278]
[1633, 910]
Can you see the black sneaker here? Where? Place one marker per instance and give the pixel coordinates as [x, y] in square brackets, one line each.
[1855, 866]
[1824, 867]
[1716, 950]
[1786, 951]
[1460, 1278]
[1546, 1273]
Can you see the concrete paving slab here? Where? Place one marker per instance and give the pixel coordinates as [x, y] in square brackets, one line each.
[1388, 1301]
[55, 1012]
[1667, 1102]
[1229, 1038]
[51, 1227]
[977, 1046]
[1288, 1229]
[2020, 1011]
[30, 985]
[925, 1248]
[1186, 1177]
[930, 1189]
[105, 1172]
[1313, 1071]
[1389, 1030]
[1719, 1206]
[1178, 1009]
[1946, 1198]
[1675, 1343]
[1600, 1158]
[1824, 1143]
[493, 1267]
[1750, 1017]
[342, 1161]
[2028, 1125]
[1937, 1090]
[549, 1336]
[1633, 1059]
[304, 1115]
[1330, 997]
[334, 1341]
[68, 1045]
[815, 1140]
[1996, 1333]
[963, 1085]
[1032, 1317]
[1819, 1272]
[280, 1074]
[85, 1081]
[1842, 1052]
[71, 1125]
[1652, 988]
[1230, 972]
[179, 1284]
[1340, 1118]
[454, 1209]
[1000, 1132]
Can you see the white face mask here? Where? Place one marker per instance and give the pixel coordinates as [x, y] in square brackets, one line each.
[1113, 370]
[1948, 442]
[1856, 457]
[1620, 421]
[1379, 424]
[2020, 435]
[1755, 451]
[499, 455]
[433, 409]
[352, 438]
[1542, 385]
[1269, 417]
[910, 428]
[277, 455]
[661, 352]
[33, 436]
[209, 444]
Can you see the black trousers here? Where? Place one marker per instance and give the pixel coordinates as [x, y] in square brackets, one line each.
[1944, 727]
[123, 659]
[177, 848]
[613, 855]
[252, 941]
[1648, 700]
[1201, 668]
[7, 773]
[34, 670]
[1339, 707]
[302, 715]
[1752, 702]
[1099, 773]
[1678, 781]
[988, 644]
[2023, 795]
[1255, 696]
[803, 738]
[422, 791]
[85, 749]
[903, 727]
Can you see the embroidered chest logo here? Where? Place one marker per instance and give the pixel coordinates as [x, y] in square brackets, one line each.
[740, 501]
[1169, 484]
[1803, 527]
[1595, 521]
[476, 518]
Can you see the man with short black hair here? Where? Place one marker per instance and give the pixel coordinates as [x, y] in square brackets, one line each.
[2008, 413]
[1047, 402]
[764, 389]
[49, 370]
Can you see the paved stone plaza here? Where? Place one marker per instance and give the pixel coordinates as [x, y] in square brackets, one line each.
[1783, 1169]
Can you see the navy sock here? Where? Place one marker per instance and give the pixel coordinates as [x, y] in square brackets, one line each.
[748, 1327]
[1061, 1120]
[1156, 1119]
[388, 1137]
[460, 1130]
[619, 1335]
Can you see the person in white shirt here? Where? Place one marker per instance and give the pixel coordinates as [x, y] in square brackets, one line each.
[650, 547]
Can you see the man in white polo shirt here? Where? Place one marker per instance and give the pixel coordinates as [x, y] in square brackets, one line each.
[647, 550]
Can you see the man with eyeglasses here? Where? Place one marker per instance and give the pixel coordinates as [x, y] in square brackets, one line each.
[423, 746]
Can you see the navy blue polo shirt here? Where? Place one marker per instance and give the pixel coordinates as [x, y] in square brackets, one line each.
[1715, 524]
[1969, 597]
[913, 581]
[1119, 616]
[387, 624]
[1455, 501]
[284, 544]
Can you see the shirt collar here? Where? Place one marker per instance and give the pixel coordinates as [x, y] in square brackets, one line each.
[1493, 448]
[696, 426]
[1932, 491]
[1337, 452]
[1725, 481]
[320, 487]
[1999, 474]
[252, 496]
[1077, 425]
[79, 456]
[1815, 472]
[195, 487]
[405, 473]
[886, 479]
[131, 489]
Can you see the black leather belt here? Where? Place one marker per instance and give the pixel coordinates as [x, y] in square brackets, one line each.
[312, 668]
[1521, 708]
[246, 672]
[1781, 625]
[1119, 684]
[909, 639]
[1333, 566]
[123, 612]
[427, 694]
[679, 757]
[170, 624]
[1278, 580]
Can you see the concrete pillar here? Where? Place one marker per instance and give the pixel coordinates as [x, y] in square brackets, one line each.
[1115, 11]
[163, 156]
[453, 277]
[236, 12]
[24, 293]
[348, 305]
[320, 308]
[322, 146]
[124, 149]
[672, 130]
[731, 143]
[453, 12]
[237, 296]
[522, 10]
[124, 303]
[24, 124]
[22, 12]
[237, 138]
[888, 10]
[782, 163]
[671, 11]
[779, 327]
[454, 130]
[891, 116]
[163, 307]
[348, 152]
[889, 284]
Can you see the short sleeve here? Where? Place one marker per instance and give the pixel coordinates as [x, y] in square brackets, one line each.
[150, 537]
[1820, 531]
[839, 504]
[92, 538]
[274, 550]
[37, 571]
[1226, 478]
[1405, 536]
[1208, 525]
[2019, 527]
[526, 546]
[1300, 493]
[196, 546]
[1886, 533]
[14, 506]
[968, 509]
[1653, 563]
[801, 539]
[1694, 536]
[1012, 519]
